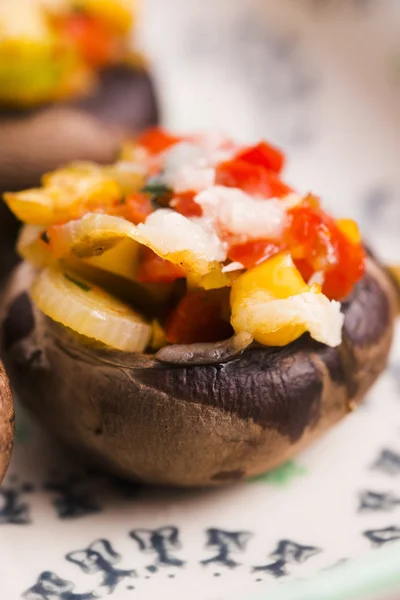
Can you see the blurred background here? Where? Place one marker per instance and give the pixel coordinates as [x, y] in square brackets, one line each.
[321, 78]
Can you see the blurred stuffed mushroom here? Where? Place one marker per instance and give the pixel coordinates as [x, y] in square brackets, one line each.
[71, 86]
[184, 317]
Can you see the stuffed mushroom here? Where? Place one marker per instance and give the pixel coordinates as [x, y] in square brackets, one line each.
[71, 86]
[185, 317]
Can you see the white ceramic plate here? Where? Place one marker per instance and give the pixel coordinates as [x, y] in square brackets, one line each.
[322, 79]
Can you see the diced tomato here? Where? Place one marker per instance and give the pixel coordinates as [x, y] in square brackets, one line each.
[185, 205]
[139, 207]
[94, 40]
[156, 140]
[253, 253]
[253, 179]
[135, 208]
[154, 269]
[350, 269]
[317, 243]
[199, 318]
[309, 235]
[305, 268]
[264, 155]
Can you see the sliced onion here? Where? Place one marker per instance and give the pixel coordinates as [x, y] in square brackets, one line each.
[91, 236]
[89, 311]
[32, 248]
[167, 233]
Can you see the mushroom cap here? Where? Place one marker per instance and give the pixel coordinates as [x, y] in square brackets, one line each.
[7, 419]
[199, 424]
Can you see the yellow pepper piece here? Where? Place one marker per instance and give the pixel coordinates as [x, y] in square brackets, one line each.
[120, 14]
[65, 194]
[273, 279]
[350, 229]
[274, 304]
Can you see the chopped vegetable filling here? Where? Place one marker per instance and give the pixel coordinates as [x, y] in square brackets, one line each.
[204, 235]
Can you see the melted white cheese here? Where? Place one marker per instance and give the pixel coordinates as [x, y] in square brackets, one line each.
[189, 166]
[234, 211]
[188, 178]
[169, 232]
[320, 316]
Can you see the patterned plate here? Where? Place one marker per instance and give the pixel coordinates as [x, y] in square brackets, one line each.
[322, 79]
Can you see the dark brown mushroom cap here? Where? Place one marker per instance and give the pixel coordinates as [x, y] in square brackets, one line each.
[195, 425]
[7, 419]
[39, 140]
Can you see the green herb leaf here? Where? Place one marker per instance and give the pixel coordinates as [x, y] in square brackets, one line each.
[156, 188]
[79, 284]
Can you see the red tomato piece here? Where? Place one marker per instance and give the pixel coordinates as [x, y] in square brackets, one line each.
[253, 253]
[135, 208]
[350, 269]
[93, 39]
[253, 179]
[139, 207]
[309, 235]
[198, 318]
[154, 269]
[185, 205]
[305, 268]
[156, 140]
[264, 155]
[317, 244]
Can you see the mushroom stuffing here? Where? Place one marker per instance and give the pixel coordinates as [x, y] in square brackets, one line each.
[206, 231]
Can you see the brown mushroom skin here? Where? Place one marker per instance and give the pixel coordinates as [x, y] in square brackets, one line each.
[39, 140]
[203, 425]
[7, 419]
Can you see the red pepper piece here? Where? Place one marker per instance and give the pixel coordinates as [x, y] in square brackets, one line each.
[156, 140]
[264, 155]
[185, 205]
[198, 318]
[350, 269]
[317, 244]
[135, 208]
[139, 207]
[309, 235]
[253, 179]
[253, 253]
[154, 269]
